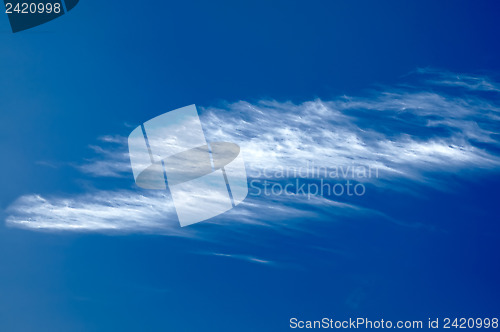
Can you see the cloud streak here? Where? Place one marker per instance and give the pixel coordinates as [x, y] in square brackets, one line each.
[469, 82]
[99, 211]
[409, 133]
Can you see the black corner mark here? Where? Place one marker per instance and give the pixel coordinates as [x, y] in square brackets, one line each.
[26, 14]
[70, 4]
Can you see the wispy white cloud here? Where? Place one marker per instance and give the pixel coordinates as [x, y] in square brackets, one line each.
[401, 133]
[470, 82]
[246, 258]
[154, 212]
[97, 211]
[112, 161]
[407, 133]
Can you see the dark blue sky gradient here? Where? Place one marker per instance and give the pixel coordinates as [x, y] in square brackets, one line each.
[108, 64]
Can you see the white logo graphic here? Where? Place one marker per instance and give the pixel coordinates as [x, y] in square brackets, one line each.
[205, 180]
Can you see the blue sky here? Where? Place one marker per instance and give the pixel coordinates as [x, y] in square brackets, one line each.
[411, 88]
